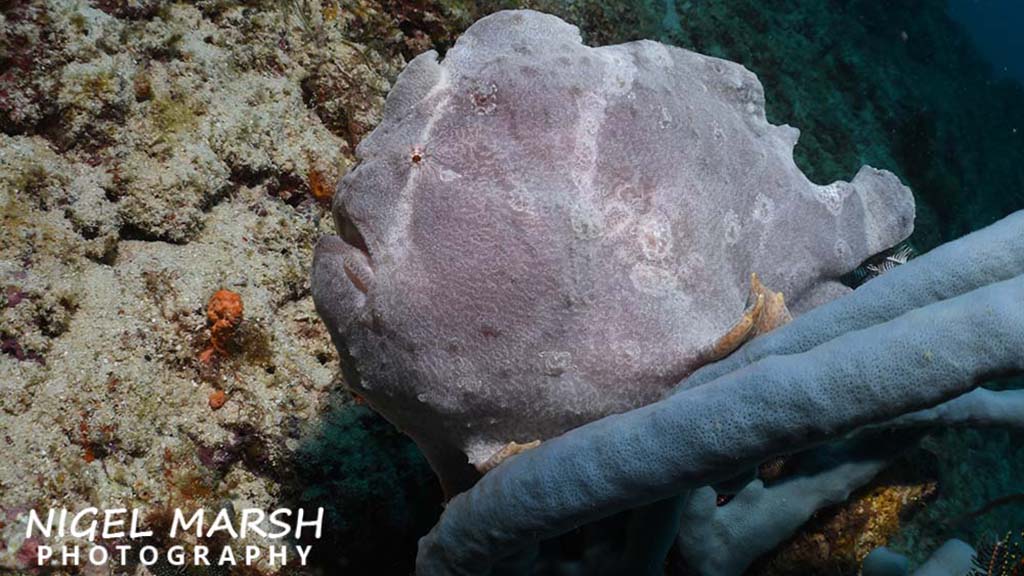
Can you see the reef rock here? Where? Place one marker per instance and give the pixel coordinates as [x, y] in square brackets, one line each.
[542, 233]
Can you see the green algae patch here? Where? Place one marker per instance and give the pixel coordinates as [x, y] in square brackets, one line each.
[171, 116]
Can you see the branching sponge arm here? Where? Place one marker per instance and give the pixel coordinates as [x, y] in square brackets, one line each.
[696, 437]
[724, 540]
[978, 408]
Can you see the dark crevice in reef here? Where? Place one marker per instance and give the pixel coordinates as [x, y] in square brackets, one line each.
[213, 200]
[245, 176]
[107, 258]
[129, 231]
[131, 9]
[338, 124]
[286, 187]
[55, 320]
[10, 346]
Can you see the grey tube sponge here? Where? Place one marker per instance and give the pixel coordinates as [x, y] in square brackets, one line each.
[954, 558]
[884, 562]
[978, 408]
[724, 540]
[916, 360]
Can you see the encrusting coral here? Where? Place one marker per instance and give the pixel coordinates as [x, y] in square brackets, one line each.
[224, 313]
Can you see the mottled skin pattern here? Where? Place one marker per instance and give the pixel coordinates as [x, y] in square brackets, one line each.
[541, 233]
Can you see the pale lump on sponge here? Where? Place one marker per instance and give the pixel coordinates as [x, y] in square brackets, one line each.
[541, 233]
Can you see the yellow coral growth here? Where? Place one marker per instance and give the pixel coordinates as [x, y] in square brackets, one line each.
[839, 539]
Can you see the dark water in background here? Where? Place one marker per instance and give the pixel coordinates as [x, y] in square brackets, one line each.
[997, 29]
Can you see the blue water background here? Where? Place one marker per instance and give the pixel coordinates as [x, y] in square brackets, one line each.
[997, 29]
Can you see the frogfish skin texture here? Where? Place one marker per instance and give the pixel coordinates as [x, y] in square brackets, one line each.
[542, 233]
